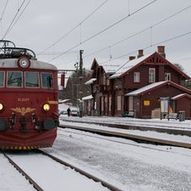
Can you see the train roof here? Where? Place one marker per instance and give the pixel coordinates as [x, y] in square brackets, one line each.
[10, 54]
[35, 64]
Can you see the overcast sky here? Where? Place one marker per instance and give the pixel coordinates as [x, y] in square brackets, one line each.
[45, 21]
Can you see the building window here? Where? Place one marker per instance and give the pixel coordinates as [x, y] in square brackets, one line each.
[109, 103]
[151, 75]
[136, 77]
[167, 76]
[119, 103]
[130, 103]
[102, 104]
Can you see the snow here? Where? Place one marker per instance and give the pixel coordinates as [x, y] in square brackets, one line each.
[154, 123]
[127, 66]
[87, 97]
[126, 164]
[64, 107]
[10, 179]
[51, 175]
[145, 88]
[163, 136]
[90, 81]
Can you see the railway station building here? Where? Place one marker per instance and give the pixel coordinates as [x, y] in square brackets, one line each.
[134, 89]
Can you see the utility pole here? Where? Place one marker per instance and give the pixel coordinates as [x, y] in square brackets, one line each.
[80, 80]
[81, 61]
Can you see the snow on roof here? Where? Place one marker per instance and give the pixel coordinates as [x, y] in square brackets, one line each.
[128, 65]
[145, 88]
[110, 68]
[87, 97]
[180, 95]
[90, 81]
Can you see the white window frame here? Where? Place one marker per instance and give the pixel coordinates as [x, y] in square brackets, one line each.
[130, 103]
[152, 75]
[119, 98]
[109, 103]
[136, 77]
[167, 76]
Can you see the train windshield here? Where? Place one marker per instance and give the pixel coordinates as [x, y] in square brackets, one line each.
[15, 79]
[2, 79]
[32, 79]
[46, 80]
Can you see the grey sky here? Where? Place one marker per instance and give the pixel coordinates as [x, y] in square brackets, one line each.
[45, 21]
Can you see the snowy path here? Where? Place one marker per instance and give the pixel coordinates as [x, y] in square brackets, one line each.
[129, 167]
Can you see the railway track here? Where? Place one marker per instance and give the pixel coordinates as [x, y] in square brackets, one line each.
[20, 170]
[139, 125]
[62, 162]
[81, 171]
[137, 138]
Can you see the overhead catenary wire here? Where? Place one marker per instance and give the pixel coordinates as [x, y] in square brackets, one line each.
[147, 47]
[75, 27]
[141, 31]
[105, 29]
[13, 20]
[4, 9]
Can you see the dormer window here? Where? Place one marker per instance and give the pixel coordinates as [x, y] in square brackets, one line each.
[167, 76]
[152, 75]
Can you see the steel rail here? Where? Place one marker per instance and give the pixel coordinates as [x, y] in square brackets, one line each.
[31, 181]
[81, 171]
[137, 138]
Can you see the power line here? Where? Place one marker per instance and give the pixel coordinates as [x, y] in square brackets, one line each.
[13, 20]
[3, 12]
[105, 29]
[70, 31]
[155, 44]
[142, 31]
[20, 15]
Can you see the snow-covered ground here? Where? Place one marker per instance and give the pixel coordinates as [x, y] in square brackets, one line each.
[155, 123]
[126, 164]
[163, 136]
[129, 165]
[52, 176]
[10, 179]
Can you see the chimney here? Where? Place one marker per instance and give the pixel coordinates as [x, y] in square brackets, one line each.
[161, 51]
[132, 57]
[140, 53]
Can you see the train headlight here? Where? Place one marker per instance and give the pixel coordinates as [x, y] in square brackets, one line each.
[1, 106]
[23, 62]
[46, 107]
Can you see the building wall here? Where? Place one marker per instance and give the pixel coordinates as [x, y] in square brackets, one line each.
[151, 100]
[184, 104]
[128, 80]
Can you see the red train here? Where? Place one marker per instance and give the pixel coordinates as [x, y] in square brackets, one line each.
[28, 99]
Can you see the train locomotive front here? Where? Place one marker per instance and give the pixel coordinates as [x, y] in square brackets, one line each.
[28, 99]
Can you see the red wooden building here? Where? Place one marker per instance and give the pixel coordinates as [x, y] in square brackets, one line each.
[111, 90]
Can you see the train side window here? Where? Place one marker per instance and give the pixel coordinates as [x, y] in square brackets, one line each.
[2, 79]
[46, 80]
[15, 79]
[32, 79]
